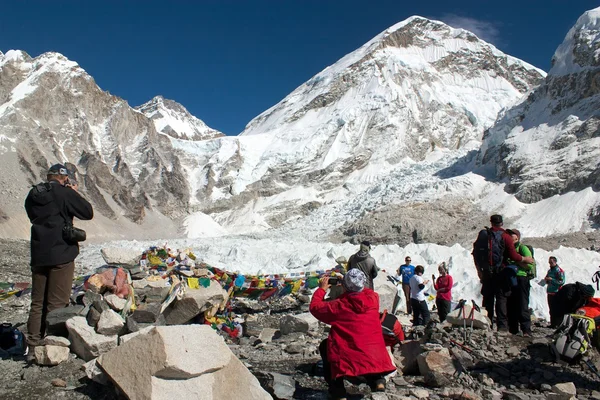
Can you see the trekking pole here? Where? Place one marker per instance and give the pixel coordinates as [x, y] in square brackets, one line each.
[592, 368]
[470, 351]
[474, 307]
[461, 306]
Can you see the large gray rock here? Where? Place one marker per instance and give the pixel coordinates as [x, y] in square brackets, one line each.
[280, 386]
[194, 302]
[57, 341]
[291, 323]
[313, 323]
[436, 362]
[115, 302]
[56, 319]
[564, 391]
[110, 323]
[480, 321]
[85, 342]
[120, 256]
[406, 357]
[186, 362]
[94, 372]
[51, 355]
[386, 291]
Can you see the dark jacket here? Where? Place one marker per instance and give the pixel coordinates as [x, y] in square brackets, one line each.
[569, 298]
[45, 205]
[366, 264]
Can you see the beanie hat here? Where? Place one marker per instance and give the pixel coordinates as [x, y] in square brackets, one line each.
[58, 169]
[496, 219]
[355, 280]
[587, 290]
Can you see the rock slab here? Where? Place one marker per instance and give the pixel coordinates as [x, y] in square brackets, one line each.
[186, 361]
[51, 355]
[194, 302]
[85, 342]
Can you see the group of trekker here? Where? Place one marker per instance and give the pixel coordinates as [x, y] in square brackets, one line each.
[506, 266]
[356, 345]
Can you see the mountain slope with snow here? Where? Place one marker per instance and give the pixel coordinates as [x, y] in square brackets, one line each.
[173, 119]
[549, 144]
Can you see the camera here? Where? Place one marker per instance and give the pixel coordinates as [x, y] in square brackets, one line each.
[334, 280]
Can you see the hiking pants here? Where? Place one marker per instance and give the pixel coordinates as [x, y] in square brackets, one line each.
[420, 312]
[406, 290]
[336, 386]
[488, 292]
[518, 307]
[50, 289]
[444, 307]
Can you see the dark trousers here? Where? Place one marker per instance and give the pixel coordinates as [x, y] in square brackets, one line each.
[488, 292]
[555, 317]
[50, 289]
[406, 290]
[518, 307]
[420, 312]
[336, 386]
[444, 308]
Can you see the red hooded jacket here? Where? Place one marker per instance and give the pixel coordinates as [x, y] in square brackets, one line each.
[355, 344]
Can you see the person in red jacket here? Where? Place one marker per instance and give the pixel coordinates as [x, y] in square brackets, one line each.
[355, 346]
[443, 286]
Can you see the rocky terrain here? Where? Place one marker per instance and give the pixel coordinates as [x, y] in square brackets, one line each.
[280, 347]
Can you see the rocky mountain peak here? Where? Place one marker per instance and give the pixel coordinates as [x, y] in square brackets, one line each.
[581, 47]
[174, 120]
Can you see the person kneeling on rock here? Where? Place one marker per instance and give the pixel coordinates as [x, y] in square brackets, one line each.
[355, 346]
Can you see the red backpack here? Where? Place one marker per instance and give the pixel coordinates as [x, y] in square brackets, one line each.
[392, 329]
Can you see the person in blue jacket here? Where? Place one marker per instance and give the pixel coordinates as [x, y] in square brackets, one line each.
[406, 271]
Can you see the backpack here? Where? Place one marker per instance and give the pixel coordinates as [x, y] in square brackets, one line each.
[488, 251]
[391, 328]
[573, 337]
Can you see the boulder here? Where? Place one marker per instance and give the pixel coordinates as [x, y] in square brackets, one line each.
[56, 319]
[436, 361]
[386, 291]
[194, 302]
[406, 357]
[56, 341]
[93, 316]
[51, 355]
[564, 391]
[120, 256]
[115, 302]
[110, 323]
[125, 338]
[146, 313]
[186, 362]
[480, 321]
[291, 323]
[94, 372]
[85, 342]
[268, 334]
[313, 323]
[280, 386]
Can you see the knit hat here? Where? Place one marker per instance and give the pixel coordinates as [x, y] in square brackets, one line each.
[496, 219]
[587, 290]
[354, 280]
[58, 169]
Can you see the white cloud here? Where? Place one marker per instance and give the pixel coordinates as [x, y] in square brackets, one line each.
[486, 30]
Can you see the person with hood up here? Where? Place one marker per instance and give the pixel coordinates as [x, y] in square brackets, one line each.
[49, 206]
[570, 298]
[355, 346]
[363, 261]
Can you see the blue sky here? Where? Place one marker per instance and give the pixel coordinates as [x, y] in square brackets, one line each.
[228, 61]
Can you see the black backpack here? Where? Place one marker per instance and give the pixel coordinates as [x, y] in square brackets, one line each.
[488, 252]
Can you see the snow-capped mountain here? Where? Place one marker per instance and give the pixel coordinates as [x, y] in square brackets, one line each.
[173, 119]
[549, 144]
[52, 111]
[415, 89]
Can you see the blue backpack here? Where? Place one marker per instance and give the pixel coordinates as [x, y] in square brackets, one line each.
[488, 252]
